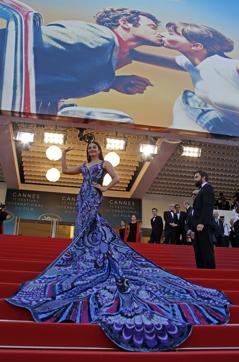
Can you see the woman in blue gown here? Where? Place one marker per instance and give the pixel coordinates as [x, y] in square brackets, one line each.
[99, 279]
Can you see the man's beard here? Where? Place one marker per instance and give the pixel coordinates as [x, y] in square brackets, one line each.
[198, 183]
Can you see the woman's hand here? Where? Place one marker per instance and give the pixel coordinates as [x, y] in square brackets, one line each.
[99, 187]
[68, 149]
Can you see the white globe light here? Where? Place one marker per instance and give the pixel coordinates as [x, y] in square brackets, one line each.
[53, 153]
[53, 174]
[107, 180]
[113, 158]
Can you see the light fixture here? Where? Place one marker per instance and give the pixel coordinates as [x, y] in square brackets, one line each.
[147, 149]
[53, 153]
[115, 144]
[190, 151]
[25, 137]
[113, 158]
[57, 138]
[53, 174]
[107, 180]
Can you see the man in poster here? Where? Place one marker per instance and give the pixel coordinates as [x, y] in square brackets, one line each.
[75, 59]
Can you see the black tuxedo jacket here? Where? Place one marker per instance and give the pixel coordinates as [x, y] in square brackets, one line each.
[168, 218]
[157, 224]
[203, 207]
[219, 228]
[189, 218]
[182, 218]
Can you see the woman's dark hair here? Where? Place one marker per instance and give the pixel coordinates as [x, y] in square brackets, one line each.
[211, 39]
[110, 17]
[101, 157]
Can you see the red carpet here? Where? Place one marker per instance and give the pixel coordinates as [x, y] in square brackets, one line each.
[22, 258]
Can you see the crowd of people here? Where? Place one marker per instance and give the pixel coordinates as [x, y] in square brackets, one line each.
[222, 203]
[176, 225]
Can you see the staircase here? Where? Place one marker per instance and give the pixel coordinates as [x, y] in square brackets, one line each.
[21, 340]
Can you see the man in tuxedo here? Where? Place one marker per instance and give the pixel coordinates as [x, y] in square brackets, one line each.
[189, 216]
[188, 208]
[180, 219]
[157, 227]
[203, 222]
[170, 225]
[219, 229]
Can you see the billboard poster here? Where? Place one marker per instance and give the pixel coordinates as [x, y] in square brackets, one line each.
[47, 206]
[162, 63]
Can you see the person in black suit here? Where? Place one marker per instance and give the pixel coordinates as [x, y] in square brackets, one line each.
[188, 208]
[3, 216]
[180, 219]
[222, 203]
[235, 244]
[203, 222]
[219, 229]
[157, 227]
[170, 225]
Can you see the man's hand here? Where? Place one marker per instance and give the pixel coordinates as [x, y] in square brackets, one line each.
[191, 234]
[131, 84]
[200, 227]
[173, 224]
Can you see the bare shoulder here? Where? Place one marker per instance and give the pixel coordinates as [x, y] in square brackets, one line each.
[107, 164]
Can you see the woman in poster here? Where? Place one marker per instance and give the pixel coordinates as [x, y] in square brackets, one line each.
[213, 105]
[99, 279]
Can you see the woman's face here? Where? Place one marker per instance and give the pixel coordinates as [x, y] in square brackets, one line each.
[93, 150]
[133, 219]
[173, 40]
[122, 223]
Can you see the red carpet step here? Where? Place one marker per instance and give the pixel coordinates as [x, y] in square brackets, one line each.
[23, 258]
[38, 355]
[30, 334]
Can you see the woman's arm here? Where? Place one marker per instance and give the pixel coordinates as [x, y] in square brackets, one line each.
[154, 59]
[68, 170]
[115, 178]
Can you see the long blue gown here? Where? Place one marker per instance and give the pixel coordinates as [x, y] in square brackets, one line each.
[99, 279]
